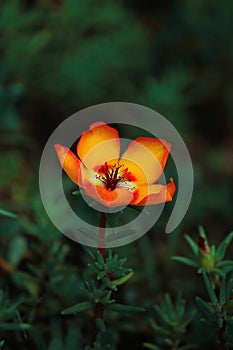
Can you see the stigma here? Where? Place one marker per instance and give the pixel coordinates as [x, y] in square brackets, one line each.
[113, 176]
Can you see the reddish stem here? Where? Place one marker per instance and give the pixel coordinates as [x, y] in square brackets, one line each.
[99, 310]
[221, 337]
[101, 242]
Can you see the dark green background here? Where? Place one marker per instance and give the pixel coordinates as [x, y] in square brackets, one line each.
[57, 57]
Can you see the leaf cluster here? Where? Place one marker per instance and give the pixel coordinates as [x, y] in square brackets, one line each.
[218, 311]
[218, 266]
[170, 324]
[109, 274]
[10, 318]
[34, 265]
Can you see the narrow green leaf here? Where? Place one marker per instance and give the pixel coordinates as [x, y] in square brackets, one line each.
[110, 255]
[89, 251]
[217, 272]
[100, 324]
[87, 305]
[108, 295]
[202, 232]
[168, 341]
[169, 306]
[162, 331]
[93, 268]
[212, 250]
[100, 275]
[76, 193]
[163, 315]
[99, 259]
[115, 258]
[205, 308]
[2, 342]
[225, 265]
[186, 261]
[11, 310]
[180, 307]
[122, 261]
[193, 245]
[188, 319]
[8, 214]
[151, 346]
[99, 266]
[209, 288]
[16, 250]
[222, 293]
[123, 279]
[14, 326]
[221, 250]
[229, 286]
[108, 283]
[125, 308]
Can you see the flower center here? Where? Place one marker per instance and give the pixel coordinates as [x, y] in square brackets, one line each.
[113, 176]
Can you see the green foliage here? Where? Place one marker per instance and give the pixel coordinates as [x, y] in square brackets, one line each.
[124, 308]
[37, 271]
[190, 38]
[104, 341]
[9, 96]
[218, 311]
[10, 318]
[87, 305]
[63, 56]
[60, 340]
[167, 96]
[170, 325]
[98, 292]
[58, 57]
[218, 281]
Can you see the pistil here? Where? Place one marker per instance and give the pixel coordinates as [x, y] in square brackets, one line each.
[111, 175]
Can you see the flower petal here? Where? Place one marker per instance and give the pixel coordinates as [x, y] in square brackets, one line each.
[69, 162]
[149, 154]
[136, 173]
[98, 145]
[154, 194]
[111, 199]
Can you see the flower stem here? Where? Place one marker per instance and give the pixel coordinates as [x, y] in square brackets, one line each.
[99, 309]
[221, 337]
[101, 242]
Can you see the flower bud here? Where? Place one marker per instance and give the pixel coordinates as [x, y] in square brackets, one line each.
[205, 257]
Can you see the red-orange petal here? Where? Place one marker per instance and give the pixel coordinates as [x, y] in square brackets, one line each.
[69, 162]
[148, 154]
[111, 199]
[98, 145]
[154, 194]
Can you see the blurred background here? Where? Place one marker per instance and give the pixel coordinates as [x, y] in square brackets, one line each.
[60, 56]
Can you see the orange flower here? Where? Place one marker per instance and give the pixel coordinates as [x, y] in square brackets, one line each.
[113, 180]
